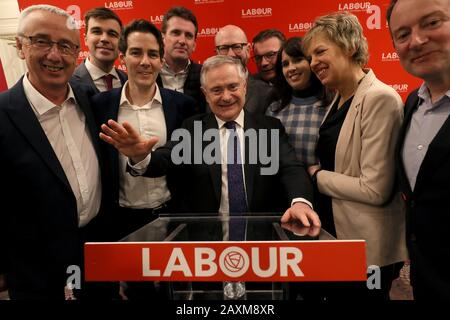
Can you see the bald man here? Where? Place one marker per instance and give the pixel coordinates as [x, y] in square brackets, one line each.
[232, 41]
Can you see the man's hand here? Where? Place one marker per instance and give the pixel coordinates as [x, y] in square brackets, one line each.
[127, 140]
[300, 230]
[303, 213]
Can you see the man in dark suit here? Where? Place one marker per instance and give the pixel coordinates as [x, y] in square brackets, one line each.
[154, 111]
[179, 72]
[422, 41]
[222, 185]
[103, 29]
[51, 190]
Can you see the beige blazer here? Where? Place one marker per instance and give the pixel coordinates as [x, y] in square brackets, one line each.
[361, 187]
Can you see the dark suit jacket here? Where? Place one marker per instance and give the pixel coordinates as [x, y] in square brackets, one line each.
[39, 234]
[176, 107]
[201, 183]
[428, 209]
[81, 74]
[192, 86]
[259, 96]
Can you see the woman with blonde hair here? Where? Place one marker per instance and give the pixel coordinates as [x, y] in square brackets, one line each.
[356, 145]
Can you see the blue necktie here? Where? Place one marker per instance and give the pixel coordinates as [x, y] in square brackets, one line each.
[236, 191]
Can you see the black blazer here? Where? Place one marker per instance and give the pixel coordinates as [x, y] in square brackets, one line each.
[82, 75]
[201, 183]
[39, 234]
[428, 207]
[176, 107]
[192, 86]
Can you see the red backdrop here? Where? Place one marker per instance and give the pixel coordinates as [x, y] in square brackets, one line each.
[293, 17]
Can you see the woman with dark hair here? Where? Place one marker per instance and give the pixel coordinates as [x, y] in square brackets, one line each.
[303, 100]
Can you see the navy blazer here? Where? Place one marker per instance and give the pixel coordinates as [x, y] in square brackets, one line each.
[427, 214]
[82, 75]
[176, 108]
[202, 183]
[39, 234]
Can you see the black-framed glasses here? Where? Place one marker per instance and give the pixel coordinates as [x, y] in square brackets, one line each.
[269, 56]
[65, 47]
[236, 47]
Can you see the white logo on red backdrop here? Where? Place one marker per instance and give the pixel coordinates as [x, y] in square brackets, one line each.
[400, 87]
[300, 26]
[256, 13]
[354, 6]
[207, 1]
[119, 5]
[77, 21]
[157, 19]
[207, 32]
[389, 56]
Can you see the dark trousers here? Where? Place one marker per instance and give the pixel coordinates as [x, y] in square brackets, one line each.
[130, 220]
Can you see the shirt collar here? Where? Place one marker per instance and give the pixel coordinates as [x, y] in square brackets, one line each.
[166, 68]
[239, 120]
[96, 72]
[40, 103]
[424, 95]
[124, 99]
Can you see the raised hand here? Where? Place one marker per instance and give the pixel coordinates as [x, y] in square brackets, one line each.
[127, 140]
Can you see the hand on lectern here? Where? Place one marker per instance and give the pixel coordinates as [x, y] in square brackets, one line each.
[300, 230]
[303, 213]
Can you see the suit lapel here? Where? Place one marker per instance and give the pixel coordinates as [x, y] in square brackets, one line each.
[23, 116]
[410, 106]
[83, 74]
[215, 170]
[438, 151]
[169, 112]
[348, 126]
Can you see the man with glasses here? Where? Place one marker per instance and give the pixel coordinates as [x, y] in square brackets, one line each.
[103, 28]
[179, 72]
[232, 41]
[51, 174]
[266, 45]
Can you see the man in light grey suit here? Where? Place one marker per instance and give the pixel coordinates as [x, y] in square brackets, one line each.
[103, 29]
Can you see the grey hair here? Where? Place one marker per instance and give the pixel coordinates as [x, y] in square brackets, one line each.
[219, 60]
[44, 7]
[344, 29]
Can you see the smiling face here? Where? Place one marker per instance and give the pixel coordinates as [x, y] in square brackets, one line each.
[296, 70]
[225, 91]
[328, 61]
[102, 39]
[179, 39]
[48, 70]
[266, 66]
[142, 59]
[422, 37]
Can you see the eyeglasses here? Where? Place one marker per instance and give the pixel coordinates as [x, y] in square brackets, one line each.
[236, 47]
[65, 47]
[269, 56]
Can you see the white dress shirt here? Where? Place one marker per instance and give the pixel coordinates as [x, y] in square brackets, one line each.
[174, 80]
[97, 76]
[149, 121]
[69, 137]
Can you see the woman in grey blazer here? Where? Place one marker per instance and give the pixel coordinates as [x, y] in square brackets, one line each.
[356, 145]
